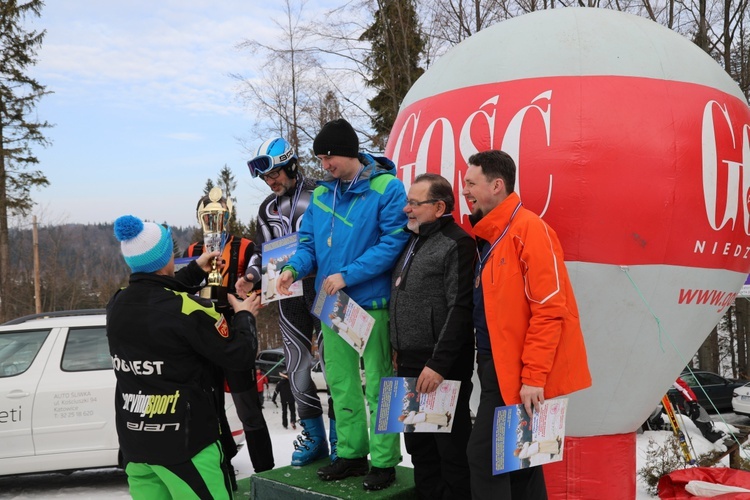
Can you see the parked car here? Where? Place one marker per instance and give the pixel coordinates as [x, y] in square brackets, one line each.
[741, 400]
[719, 389]
[271, 362]
[57, 393]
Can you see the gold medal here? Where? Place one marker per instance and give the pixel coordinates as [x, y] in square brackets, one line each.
[398, 281]
[476, 282]
[329, 241]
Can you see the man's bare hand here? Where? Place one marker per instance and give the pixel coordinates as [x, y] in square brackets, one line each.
[206, 259]
[243, 287]
[284, 281]
[250, 304]
[428, 380]
[531, 396]
[333, 283]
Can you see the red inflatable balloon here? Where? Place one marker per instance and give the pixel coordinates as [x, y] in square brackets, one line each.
[634, 145]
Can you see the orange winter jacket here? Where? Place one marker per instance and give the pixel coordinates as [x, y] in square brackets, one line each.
[529, 304]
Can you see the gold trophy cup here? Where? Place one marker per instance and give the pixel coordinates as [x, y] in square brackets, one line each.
[213, 217]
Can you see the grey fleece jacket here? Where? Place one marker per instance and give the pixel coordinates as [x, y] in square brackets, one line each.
[431, 297]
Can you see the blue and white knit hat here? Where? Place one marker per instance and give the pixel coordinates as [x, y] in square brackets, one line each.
[146, 246]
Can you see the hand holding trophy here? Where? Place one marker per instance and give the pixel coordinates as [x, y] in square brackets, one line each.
[213, 217]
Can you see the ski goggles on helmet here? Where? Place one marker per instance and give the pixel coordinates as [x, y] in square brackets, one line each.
[262, 165]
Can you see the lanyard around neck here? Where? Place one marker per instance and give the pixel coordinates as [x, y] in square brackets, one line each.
[333, 205]
[407, 259]
[483, 261]
[287, 228]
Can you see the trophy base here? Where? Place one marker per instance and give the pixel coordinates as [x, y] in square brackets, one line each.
[216, 294]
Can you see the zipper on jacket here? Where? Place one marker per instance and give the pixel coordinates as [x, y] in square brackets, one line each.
[188, 417]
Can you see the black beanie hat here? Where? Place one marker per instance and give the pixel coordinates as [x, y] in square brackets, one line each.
[337, 138]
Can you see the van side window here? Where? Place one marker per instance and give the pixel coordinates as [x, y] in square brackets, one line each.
[18, 350]
[86, 349]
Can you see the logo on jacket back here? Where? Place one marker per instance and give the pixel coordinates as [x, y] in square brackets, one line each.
[222, 327]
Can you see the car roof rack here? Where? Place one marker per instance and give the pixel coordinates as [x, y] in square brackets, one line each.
[54, 314]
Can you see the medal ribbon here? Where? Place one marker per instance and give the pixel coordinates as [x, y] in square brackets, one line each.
[333, 205]
[409, 255]
[482, 261]
[294, 199]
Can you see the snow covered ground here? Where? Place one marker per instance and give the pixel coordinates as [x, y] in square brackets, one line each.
[700, 445]
[112, 483]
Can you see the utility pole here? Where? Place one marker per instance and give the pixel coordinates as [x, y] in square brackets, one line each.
[37, 284]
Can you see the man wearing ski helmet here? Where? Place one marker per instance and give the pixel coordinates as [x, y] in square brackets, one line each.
[280, 214]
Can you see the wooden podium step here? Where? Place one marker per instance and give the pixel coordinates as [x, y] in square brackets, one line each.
[302, 483]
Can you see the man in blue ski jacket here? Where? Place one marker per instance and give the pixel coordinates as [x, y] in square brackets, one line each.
[351, 236]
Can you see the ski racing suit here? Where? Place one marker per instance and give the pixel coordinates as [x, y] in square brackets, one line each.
[280, 216]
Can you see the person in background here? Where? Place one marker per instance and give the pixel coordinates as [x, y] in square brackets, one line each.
[165, 343]
[261, 379]
[236, 254]
[436, 342]
[284, 391]
[281, 214]
[528, 336]
[690, 407]
[351, 236]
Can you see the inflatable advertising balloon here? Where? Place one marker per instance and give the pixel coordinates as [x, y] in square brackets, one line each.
[634, 145]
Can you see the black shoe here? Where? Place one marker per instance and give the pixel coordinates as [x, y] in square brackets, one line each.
[343, 468]
[379, 479]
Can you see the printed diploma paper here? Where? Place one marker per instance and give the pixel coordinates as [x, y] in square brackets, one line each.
[345, 317]
[274, 256]
[402, 409]
[522, 442]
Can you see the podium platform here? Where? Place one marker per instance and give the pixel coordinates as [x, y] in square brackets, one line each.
[302, 483]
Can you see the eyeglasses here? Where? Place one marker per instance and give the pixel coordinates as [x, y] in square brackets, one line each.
[270, 175]
[415, 203]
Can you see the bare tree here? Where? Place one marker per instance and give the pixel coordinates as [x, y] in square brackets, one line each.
[448, 22]
[284, 93]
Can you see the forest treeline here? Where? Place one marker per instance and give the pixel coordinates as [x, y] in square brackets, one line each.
[81, 267]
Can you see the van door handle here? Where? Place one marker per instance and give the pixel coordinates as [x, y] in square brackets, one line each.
[18, 394]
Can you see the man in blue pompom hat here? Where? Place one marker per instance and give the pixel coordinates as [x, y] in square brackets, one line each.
[165, 344]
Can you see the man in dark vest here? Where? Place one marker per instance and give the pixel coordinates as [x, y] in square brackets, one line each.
[435, 343]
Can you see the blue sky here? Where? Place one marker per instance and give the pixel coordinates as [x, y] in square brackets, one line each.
[144, 108]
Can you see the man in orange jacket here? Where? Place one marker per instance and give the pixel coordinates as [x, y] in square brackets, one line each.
[529, 341]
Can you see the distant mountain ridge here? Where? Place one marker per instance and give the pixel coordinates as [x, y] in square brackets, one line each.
[80, 249]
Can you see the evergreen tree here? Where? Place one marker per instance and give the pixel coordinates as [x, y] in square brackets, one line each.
[227, 184]
[393, 61]
[19, 130]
